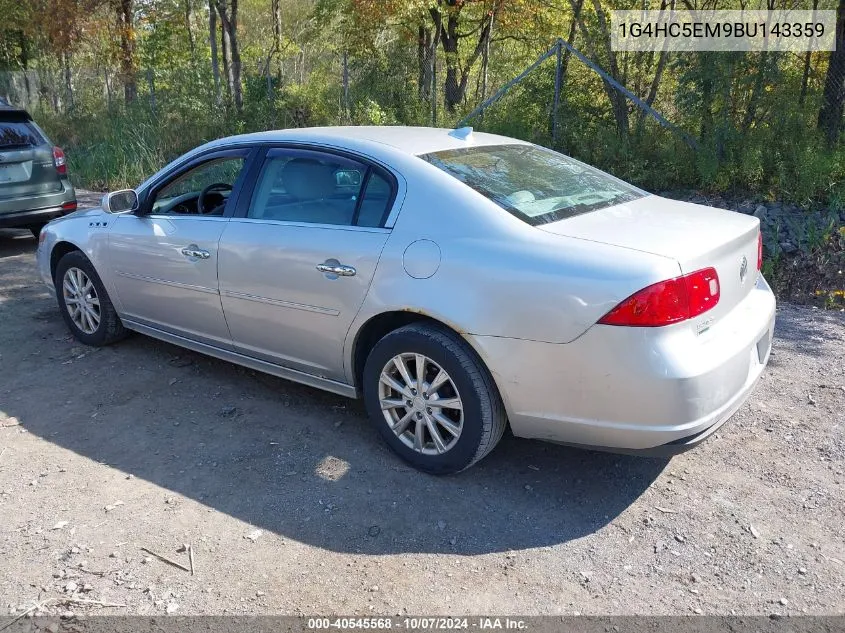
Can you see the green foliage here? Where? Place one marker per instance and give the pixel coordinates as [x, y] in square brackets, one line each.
[755, 126]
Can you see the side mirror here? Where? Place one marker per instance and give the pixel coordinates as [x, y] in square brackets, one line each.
[124, 201]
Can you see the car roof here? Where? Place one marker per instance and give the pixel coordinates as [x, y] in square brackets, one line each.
[376, 141]
[411, 140]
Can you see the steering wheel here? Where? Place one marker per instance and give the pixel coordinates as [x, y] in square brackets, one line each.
[216, 187]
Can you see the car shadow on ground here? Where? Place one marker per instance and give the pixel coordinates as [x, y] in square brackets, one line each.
[287, 458]
[15, 242]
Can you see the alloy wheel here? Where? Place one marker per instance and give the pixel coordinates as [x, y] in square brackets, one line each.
[420, 403]
[81, 300]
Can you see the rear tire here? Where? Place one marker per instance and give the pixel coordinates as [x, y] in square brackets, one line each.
[84, 303]
[444, 421]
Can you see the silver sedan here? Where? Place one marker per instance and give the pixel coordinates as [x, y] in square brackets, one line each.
[458, 282]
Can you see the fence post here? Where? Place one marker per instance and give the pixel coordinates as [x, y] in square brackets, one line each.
[556, 105]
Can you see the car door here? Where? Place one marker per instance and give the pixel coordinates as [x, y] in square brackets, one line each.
[297, 261]
[164, 257]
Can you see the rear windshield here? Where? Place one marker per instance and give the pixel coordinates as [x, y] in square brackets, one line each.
[535, 184]
[18, 134]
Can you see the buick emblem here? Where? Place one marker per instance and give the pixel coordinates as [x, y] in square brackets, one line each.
[743, 269]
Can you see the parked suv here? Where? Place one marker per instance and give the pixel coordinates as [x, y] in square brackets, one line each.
[34, 184]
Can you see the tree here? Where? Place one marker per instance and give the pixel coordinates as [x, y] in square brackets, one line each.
[124, 14]
[228, 12]
[458, 69]
[212, 42]
[447, 23]
[618, 101]
[833, 98]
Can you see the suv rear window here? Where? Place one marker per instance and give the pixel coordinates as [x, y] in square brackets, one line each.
[535, 184]
[18, 134]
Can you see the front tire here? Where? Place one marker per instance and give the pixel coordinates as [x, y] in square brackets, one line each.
[84, 302]
[432, 399]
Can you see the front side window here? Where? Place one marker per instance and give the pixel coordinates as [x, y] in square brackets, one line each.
[319, 188]
[535, 184]
[202, 190]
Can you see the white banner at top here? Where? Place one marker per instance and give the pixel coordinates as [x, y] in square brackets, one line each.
[779, 30]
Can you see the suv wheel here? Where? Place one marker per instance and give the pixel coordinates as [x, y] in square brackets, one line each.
[432, 399]
[84, 302]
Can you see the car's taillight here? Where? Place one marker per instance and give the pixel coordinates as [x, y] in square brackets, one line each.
[760, 250]
[59, 160]
[667, 302]
[69, 206]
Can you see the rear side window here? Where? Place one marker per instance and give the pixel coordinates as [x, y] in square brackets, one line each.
[18, 134]
[375, 203]
[298, 185]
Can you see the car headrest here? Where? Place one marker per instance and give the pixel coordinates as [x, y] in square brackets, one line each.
[308, 179]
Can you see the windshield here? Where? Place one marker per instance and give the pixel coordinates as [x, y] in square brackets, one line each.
[535, 184]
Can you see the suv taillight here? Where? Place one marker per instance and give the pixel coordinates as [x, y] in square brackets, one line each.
[59, 160]
[760, 250]
[667, 302]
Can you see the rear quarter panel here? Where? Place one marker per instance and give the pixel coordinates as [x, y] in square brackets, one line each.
[497, 275]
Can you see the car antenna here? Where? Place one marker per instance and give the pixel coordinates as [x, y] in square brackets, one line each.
[462, 133]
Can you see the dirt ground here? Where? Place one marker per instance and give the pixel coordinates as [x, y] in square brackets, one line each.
[292, 504]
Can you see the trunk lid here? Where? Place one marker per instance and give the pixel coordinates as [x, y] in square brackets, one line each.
[694, 235]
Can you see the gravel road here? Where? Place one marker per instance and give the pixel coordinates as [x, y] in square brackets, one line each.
[291, 504]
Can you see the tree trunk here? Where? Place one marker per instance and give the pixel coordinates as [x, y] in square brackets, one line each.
[805, 75]
[188, 10]
[108, 88]
[457, 75]
[69, 104]
[345, 80]
[152, 87]
[757, 90]
[618, 103]
[212, 42]
[707, 95]
[655, 82]
[833, 98]
[423, 62]
[22, 41]
[128, 66]
[573, 26]
[805, 78]
[277, 36]
[224, 50]
[229, 23]
[452, 93]
[485, 59]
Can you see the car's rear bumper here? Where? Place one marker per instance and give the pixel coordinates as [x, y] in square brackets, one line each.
[37, 209]
[657, 391]
[34, 216]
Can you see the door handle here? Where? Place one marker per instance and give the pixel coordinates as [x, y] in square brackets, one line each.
[332, 267]
[195, 251]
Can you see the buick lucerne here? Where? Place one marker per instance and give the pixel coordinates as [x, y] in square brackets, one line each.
[458, 282]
